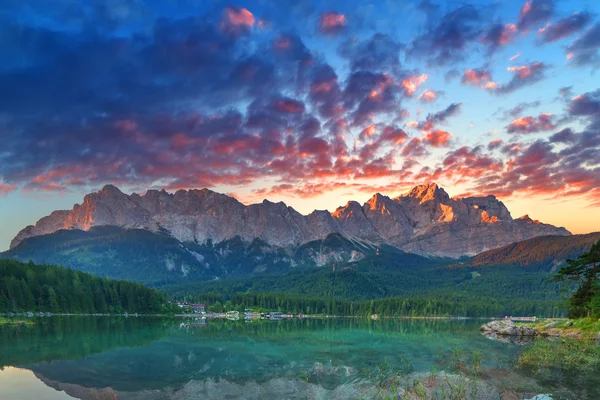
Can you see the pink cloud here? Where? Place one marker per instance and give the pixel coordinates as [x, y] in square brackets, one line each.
[414, 148]
[427, 96]
[522, 72]
[531, 124]
[237, 20]
[6, 188]
[476, 77]
[332, 22]
[411, 84]
[438, 138]
[290, 106]
[508, 34]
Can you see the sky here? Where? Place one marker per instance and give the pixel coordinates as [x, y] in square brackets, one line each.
[312, 103]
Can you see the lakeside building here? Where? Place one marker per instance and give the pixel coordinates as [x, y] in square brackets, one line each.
[197, 308]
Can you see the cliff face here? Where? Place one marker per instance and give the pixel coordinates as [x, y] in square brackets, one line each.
[425, 220]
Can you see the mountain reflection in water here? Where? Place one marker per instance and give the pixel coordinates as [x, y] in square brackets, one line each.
[145, 358]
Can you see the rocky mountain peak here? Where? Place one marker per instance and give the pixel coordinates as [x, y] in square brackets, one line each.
[428, 192]
[377, 202]
[425, 220]
[347, 210]
[527, 219]
[111, 190]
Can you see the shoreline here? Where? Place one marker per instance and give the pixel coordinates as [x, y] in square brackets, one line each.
[578, 329]
[304, 316]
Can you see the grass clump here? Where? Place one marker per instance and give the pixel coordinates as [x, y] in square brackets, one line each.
[570, 366]
[564, 355]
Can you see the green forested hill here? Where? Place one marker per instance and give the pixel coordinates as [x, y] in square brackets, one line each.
[333, 268]
[30, 287]
[544, 252]
[429, 286]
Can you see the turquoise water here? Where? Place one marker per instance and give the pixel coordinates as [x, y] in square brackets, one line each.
[142, 358]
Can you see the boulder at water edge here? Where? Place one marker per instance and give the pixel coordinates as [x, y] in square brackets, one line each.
[506, 327]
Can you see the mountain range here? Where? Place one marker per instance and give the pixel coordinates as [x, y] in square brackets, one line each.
[422, 243]
[425, 220]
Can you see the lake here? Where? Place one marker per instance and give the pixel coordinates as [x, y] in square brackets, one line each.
[335, 358]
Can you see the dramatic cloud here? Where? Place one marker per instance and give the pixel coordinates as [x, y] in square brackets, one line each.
[427, 96]
[332, 22]
[534, 13]
[393, 135]
[379, 52]
[584, 50]
[477, 77]
[448, 40]
[520, 108]
[437, 138]
[564, 136]
[414, 148]
[585, 104]
[210, 95]
[441, 116]
[494, 144]
[499, 35]
[469, 162]
[564, 27]
[412, 83]
[237, 21]
[544, 122]
[523, 76]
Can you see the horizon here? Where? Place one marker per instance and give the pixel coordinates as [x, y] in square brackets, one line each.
[310, 103]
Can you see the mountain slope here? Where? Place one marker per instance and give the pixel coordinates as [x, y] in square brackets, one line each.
[544, 252]
[424, 221]
[156, 258]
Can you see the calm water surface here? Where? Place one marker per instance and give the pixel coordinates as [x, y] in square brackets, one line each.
[142, 358]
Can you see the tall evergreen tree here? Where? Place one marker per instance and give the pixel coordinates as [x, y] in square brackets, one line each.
[585, 270]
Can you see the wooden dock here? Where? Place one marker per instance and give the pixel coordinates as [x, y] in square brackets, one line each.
[527, 319]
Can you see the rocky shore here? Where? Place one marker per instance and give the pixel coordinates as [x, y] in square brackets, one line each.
[506, 327]
[506, 330]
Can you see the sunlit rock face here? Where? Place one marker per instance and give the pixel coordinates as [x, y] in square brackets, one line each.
[425, 220]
